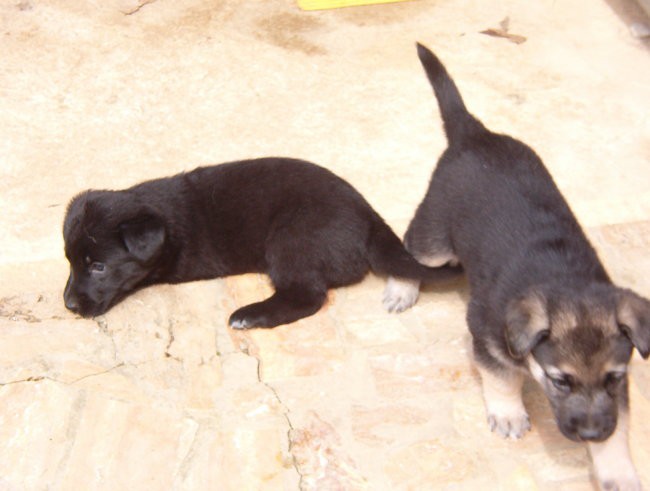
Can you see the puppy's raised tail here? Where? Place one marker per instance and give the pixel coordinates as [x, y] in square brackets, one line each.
[457, 120]
[387, 256]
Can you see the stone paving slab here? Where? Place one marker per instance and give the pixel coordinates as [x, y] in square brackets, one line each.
[159, 394]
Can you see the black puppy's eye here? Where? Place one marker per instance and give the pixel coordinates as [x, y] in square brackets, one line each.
[97, 267]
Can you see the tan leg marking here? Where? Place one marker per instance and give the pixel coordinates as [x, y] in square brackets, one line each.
[612, 462]
[507, 415]
[437, 260]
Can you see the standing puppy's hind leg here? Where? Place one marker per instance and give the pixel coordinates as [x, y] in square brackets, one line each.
[286, 305]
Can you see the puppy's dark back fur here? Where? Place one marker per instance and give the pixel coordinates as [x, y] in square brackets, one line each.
[300, 223]
[222, 214]
[521, 219]
[540, 299]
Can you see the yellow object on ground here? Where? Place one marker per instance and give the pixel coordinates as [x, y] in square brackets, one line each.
[335, 4]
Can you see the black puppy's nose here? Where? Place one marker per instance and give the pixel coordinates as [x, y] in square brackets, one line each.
[71, 303]
[70, 300]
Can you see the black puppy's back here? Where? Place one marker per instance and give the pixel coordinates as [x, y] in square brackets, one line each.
[300, 223]
[241, 207]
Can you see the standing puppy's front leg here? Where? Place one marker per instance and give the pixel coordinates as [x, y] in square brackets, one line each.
[506, 413]
[612, 462]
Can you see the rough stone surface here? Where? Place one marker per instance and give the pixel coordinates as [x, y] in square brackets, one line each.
[159, 394]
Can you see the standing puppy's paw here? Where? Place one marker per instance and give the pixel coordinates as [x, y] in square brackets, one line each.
[507, 415]
[612, 463]
[400, 294]
[510, 426]
[623, 483]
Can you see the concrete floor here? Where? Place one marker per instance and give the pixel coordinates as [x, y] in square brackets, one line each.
[159, 394]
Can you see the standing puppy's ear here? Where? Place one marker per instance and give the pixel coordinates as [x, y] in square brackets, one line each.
[633, 317]
[143, 237]
[527, 323]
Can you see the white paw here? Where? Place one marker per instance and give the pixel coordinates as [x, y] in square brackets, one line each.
[612, 463]
[620, 483]
[507, 415]
[400, 294]
[614, 469]
[512, 426]
[239, 324]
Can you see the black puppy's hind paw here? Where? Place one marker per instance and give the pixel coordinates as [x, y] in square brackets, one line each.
[240, 319]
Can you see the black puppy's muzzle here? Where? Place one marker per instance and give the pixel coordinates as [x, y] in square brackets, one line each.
[69, 298]
[79, 303]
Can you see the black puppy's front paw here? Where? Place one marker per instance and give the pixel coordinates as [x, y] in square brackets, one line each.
[238, 323]
[283, 307]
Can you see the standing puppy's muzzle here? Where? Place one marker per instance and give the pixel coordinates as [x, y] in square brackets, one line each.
[589, 416]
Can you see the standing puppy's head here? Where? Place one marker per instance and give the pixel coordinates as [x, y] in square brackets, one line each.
[578, 346]
[112, 243]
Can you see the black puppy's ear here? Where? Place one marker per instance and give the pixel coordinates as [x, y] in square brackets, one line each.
[527, 324]
[143, 237]
[633, 317]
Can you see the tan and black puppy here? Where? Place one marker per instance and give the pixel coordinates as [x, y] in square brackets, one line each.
[541, 301]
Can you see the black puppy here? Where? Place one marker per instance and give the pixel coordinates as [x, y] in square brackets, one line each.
[304, 226]
[541, 301]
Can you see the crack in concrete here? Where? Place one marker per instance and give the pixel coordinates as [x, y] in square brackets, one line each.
[16, 309]
[244, 345]
[28, 379]
[170, 332]
[186, 462]
[137, 8]
[73, 422]
[103, 327]
[38, 378]
[285, 413]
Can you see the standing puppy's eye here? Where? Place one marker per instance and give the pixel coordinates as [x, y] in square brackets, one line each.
[562, 383]
[614, 379]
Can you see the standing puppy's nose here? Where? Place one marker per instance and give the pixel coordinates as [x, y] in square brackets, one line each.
[589, 433]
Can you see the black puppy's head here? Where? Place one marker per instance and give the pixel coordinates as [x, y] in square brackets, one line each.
[578, 346]
[112, 243]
